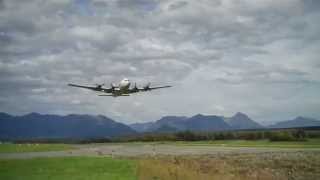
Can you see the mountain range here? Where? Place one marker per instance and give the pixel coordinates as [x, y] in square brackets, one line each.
[36, 125]
[198, 122]
[297, 122]
[242, 121]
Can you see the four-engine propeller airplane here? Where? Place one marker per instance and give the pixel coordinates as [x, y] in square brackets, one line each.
[122, 89]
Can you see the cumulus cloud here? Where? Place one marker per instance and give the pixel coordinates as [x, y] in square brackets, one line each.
[259, 57]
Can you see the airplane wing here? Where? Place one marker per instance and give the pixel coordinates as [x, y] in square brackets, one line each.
[96, 88]
[159, 87]
[146, 88]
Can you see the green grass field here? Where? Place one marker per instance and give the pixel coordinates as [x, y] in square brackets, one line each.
[264, 166]
[273, 165]
[310, 143]
[70, 168]
[15, 148]
[297, 165]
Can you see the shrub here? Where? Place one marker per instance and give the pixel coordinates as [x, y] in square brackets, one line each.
[186, 136]
[281, 136]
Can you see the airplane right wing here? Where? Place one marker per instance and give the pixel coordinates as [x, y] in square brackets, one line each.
[146, 88]
[159, 87]
[96, 88]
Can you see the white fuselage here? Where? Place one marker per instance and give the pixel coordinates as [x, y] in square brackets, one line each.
[124, 85]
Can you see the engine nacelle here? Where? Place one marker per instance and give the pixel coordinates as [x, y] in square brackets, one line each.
[99, 86]
[113, 86]
[135, 88]
[147, 87]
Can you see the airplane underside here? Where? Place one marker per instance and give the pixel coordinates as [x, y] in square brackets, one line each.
[119, 92]
[114, 95]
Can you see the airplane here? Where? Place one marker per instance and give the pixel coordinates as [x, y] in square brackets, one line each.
[122, 89]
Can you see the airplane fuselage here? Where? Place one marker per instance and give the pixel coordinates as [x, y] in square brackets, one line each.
[122, 88]
[124, 85]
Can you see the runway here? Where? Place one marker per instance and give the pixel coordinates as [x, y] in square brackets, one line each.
[145, 149]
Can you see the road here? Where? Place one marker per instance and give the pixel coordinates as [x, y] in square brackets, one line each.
[134, 150]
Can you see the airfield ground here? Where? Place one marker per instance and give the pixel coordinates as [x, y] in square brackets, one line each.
[19, 148]
[68, 168]
[167, 160]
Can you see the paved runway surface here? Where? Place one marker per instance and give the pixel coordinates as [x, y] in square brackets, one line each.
[133, 150]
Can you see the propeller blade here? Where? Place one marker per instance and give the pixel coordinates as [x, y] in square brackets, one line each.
[99, 85]
[147, 85]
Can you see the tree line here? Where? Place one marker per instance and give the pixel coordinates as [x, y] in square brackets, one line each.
[278, 135]
[272, 135]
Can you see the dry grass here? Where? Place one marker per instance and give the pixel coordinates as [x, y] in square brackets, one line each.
[266, 166]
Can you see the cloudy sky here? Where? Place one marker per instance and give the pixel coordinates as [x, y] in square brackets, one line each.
[260, 57]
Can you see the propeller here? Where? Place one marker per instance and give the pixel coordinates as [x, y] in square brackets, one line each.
[113, 86]
[147, 86]
[135, 87]
[100, 85]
